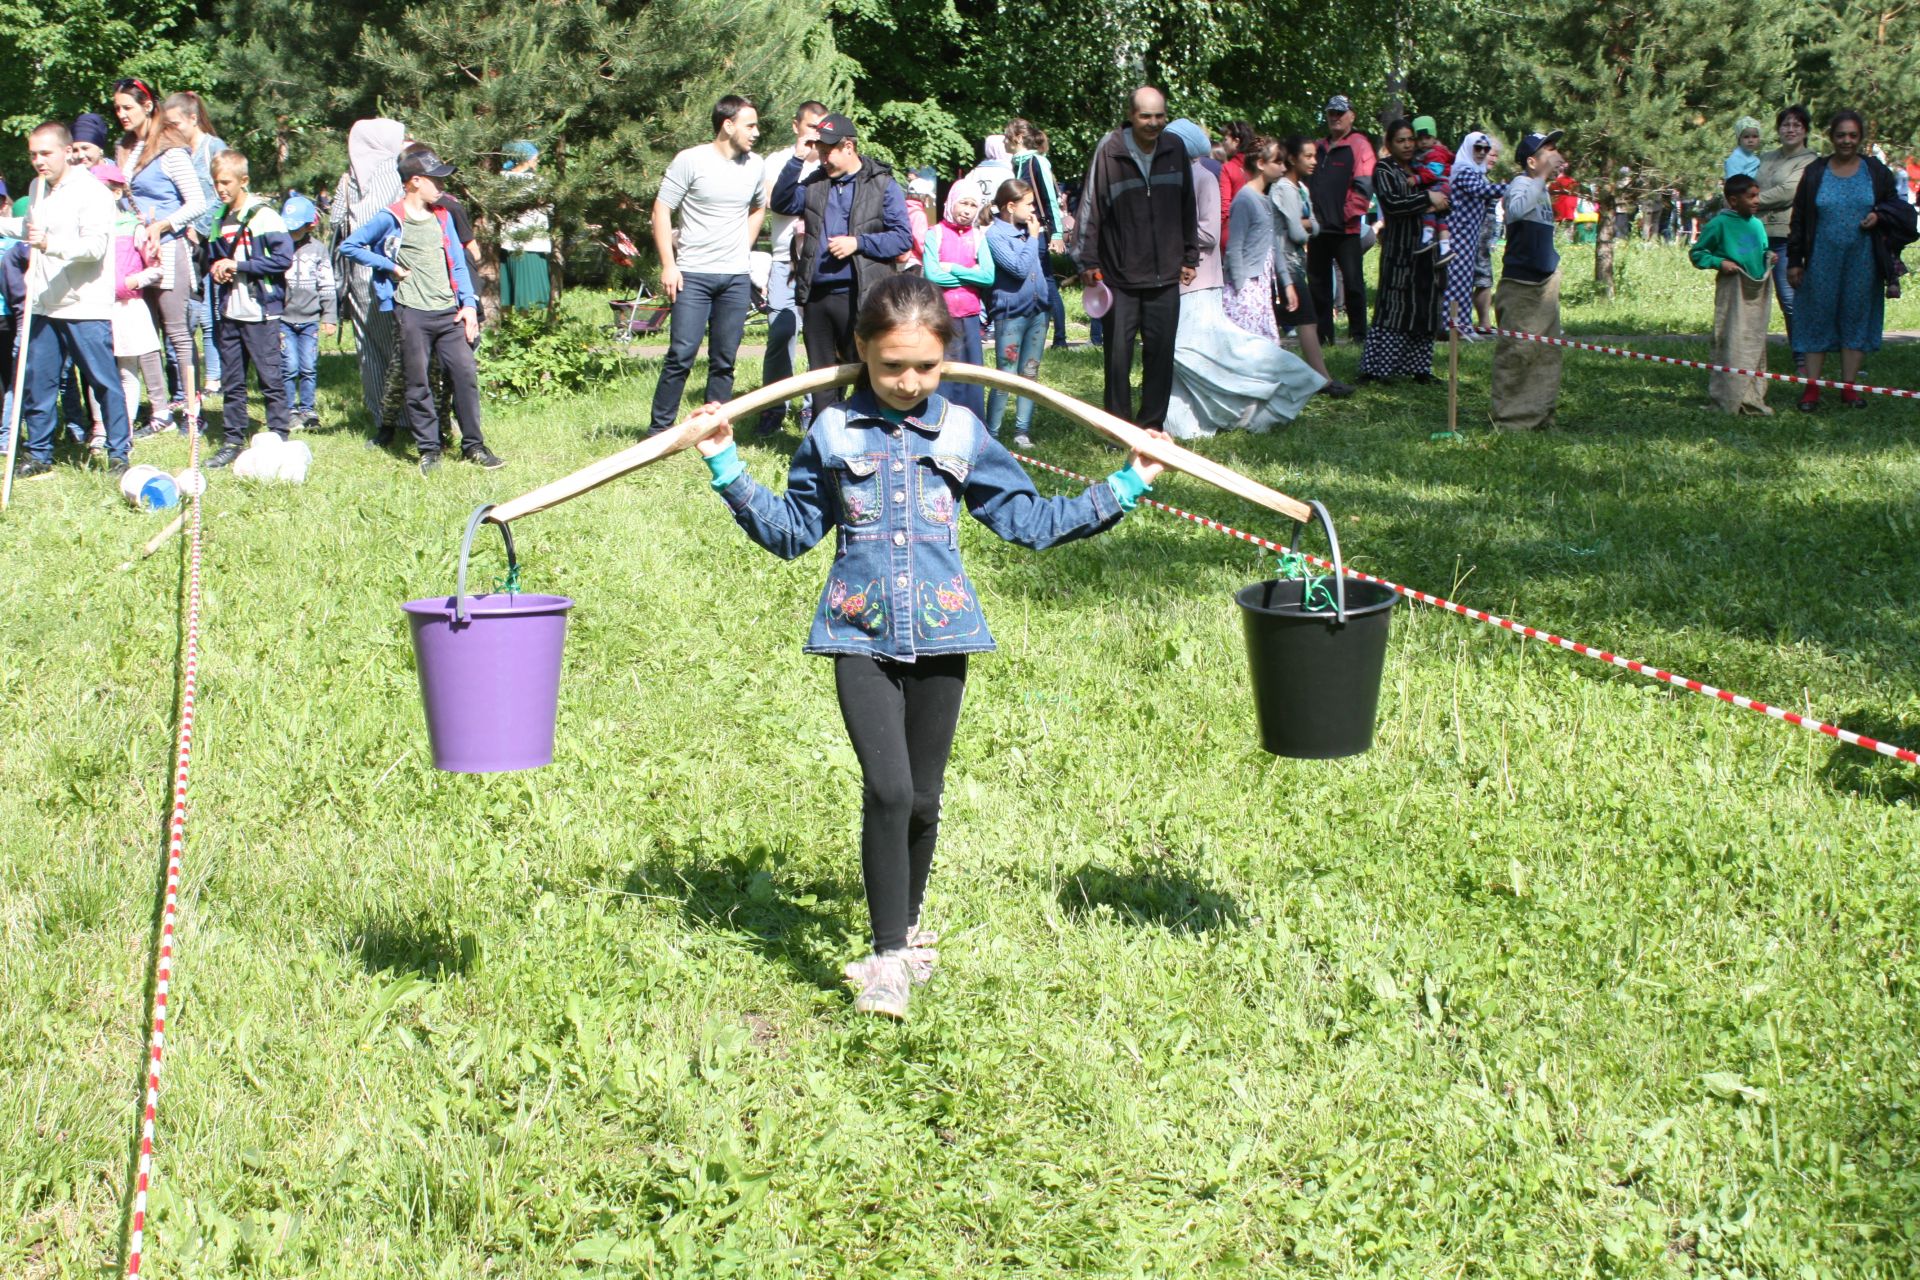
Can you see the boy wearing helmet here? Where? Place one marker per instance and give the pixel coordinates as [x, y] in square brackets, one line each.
[310, 309]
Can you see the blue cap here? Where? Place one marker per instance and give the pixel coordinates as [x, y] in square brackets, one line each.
[517, 153]
[298, 212]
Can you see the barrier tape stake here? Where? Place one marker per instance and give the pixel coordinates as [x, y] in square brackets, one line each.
[1637, 667]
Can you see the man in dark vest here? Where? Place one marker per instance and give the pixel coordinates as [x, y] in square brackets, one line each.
[853, 224]
[1139, 234]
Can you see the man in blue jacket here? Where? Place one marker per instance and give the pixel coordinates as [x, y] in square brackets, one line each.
[853, 225]
[420, 274]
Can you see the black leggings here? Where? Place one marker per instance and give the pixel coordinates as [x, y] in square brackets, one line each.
[901, 717]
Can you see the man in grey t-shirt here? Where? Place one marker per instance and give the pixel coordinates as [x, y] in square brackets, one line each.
[718, 190]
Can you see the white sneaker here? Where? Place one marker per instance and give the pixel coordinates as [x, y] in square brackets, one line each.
[884, 982]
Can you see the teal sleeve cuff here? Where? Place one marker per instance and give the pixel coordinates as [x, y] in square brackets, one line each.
[1129, 486]
[726, 467]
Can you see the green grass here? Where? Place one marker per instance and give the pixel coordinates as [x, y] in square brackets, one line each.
[1570, 975]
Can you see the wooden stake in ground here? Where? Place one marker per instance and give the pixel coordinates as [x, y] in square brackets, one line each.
[699, 427]
[1453, 380]
[153, 543]
[20, 358]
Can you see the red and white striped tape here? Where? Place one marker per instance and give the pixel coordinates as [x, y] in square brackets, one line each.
[176, 846]
[1523, 336]
[1638, 668]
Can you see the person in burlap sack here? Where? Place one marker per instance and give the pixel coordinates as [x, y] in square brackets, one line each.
[1526, 375]
[1734, 245]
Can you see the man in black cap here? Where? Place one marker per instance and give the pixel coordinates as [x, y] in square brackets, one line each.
[1139, 235]
[1341, 190]
[1525, 387]
[853, 225]
[420, 275]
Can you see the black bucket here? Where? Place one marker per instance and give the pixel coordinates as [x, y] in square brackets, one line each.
[1316, 674]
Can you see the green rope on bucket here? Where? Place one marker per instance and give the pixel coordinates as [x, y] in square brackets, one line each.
[510, 583]
[1314, 595]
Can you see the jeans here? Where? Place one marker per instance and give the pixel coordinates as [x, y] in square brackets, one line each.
[300, 359]
[1018, 342]
[713, 307]
[900, 718]
[1323, 254]
[1057, 309]
[1781, 289]
[423, 336]
[1153, 315]
[965, 349]
[255, 343]
[202, 320]
[828, 330]
[89, 345]
[783, 332]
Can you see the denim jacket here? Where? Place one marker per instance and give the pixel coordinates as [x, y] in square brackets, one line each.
[897, 588]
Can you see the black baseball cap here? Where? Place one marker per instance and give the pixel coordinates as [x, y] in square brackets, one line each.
[834, 129]
[1534, 142]
[421, 161]
[1339, 103]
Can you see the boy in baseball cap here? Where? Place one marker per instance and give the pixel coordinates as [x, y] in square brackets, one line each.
[1526, 375]
[420, 275]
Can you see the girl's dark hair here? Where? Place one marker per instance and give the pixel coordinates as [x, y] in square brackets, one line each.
[1010, 190]
[1839, 118]
[904, 301]
[1261, 147]
[1795, 112]
[1018, 133]
[1296, 144]
[190, 104]
[1396, 125]
[1242, 134]
[137, 90]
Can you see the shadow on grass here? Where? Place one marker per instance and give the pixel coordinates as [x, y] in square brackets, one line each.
[418, 944]
[1147, 897]
[1868, 774]
[798, 925]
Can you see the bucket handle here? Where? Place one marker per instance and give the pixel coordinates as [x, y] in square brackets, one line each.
[466, 550]
[1333, 542]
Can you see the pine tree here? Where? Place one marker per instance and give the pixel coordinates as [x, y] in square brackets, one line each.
[1647, 95]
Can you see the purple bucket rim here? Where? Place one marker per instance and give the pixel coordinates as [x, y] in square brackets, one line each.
[526, 605]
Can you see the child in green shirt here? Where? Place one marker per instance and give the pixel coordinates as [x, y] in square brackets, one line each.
[1734, 245]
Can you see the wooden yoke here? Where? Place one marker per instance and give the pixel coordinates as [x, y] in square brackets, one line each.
[700, 426]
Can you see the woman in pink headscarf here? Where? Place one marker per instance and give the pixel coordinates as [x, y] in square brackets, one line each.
[956, 259]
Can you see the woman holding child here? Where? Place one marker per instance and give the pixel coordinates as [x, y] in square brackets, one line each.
[1407, 309]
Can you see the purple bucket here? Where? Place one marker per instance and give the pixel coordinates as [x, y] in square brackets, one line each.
[489, 671]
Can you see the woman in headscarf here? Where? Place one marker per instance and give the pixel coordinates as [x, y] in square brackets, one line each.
[526, 241]
[1407, 313]
[370, 184]
[1470, 274]
[955, 257]
[1223, 376]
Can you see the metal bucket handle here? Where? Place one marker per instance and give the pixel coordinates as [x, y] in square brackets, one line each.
[466, 550]
[1333, 542]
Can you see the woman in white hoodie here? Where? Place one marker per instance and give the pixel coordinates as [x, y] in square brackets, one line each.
[370, 184]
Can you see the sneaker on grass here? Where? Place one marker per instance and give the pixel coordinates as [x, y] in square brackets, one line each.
[884, 983]
[481, 456]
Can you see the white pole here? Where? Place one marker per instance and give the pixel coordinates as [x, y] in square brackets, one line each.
[25, 330]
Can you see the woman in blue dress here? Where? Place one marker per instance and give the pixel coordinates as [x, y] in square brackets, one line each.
[1839, 299]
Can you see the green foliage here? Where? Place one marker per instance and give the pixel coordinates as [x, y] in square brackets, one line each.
[541, 353]
[62, 56]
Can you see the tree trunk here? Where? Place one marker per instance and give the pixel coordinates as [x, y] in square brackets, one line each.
[1603, 204]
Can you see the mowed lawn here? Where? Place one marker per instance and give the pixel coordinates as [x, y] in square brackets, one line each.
[1571, 975]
